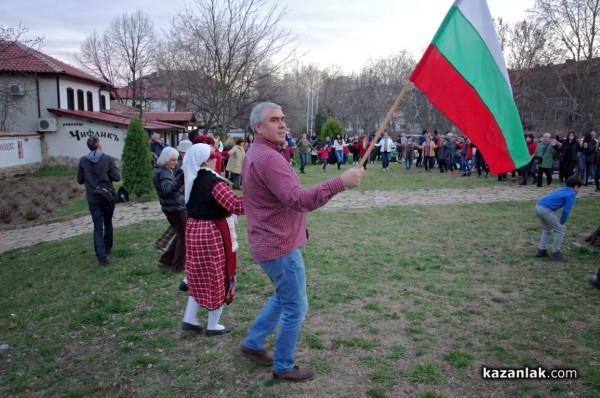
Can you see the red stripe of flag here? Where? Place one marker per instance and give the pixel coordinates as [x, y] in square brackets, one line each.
[448, 90]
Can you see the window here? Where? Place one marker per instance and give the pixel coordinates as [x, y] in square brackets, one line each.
[102, 102]
[90, 101]
[70, 99]
[80, 106]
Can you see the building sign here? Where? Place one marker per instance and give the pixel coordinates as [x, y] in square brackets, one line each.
[10, 146]
[90, 133]
[7, 146]
[18, 150]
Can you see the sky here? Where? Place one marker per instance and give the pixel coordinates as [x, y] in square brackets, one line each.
[329, 32]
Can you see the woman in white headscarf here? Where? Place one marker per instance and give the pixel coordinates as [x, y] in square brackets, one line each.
[211, 260]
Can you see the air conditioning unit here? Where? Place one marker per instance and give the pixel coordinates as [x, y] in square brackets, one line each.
[16, 89]
[47, 124]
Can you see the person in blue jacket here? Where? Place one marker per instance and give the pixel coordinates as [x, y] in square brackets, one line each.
[546, 209]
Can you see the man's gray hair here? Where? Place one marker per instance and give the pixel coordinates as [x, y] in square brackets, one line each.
[167, 154]
[258, 112]
[547, 135]
[155, 135]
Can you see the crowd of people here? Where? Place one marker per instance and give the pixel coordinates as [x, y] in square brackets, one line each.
[197, 182]
[455, 154]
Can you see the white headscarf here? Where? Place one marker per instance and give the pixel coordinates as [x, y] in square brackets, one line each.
[193, 160]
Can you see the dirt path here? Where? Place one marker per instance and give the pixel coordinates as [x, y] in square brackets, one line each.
[128, 214]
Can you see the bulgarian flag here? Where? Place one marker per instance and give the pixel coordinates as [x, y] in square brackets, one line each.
[464, 75]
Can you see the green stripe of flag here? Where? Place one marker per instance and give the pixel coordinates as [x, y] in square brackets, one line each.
[460, 43]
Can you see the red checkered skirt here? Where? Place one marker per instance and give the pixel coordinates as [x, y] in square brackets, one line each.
[205, 263]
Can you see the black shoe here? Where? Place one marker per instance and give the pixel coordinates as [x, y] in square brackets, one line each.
[522, 183]
[558, 256]
[188, 327]
[104, 263]
[209, 332]
[542, 253]
[595, 282]
[183, 286]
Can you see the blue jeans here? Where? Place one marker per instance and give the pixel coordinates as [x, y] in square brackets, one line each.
[407, 163]
[303, 161]
[385, 159]
[339, 154]
[102, 214]
[285, 309]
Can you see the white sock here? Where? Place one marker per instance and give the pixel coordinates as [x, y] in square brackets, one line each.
[213, 319]
[185, 280]
[191, 312]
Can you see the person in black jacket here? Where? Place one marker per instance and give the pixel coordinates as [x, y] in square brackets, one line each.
[569, 152]
[99, 170]
[167, 179]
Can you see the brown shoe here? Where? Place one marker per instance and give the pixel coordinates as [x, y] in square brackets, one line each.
[297, 374]
[259, 356]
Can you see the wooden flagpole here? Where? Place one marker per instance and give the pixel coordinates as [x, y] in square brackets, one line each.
[385, 122]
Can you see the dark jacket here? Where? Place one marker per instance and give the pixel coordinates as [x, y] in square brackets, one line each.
[97, 169]
[568, 151]
[169, 189]
[589, 151]
[202, 205]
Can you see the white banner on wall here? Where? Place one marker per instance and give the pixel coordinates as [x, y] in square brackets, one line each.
[19, 150]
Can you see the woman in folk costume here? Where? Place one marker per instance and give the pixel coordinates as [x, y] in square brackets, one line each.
[209, 242]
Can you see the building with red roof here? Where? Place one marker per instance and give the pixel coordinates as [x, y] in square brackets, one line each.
[65, 105]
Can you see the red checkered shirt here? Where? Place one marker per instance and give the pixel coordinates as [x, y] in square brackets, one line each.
[275, 203]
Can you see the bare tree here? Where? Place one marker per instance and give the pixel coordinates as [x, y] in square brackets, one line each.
[11, 37]
[230, 46]
[575, 25]
[529, 45]
[97, 58]
[123, 53]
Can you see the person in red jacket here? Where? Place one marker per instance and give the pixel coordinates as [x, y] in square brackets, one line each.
[209, 140]
[529, 168]
[324, 156]
[363, 144]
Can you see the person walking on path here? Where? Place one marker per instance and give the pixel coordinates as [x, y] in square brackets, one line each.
[97, 170]
[276, 205]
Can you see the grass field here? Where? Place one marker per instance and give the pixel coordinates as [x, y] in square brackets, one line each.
[406, 301]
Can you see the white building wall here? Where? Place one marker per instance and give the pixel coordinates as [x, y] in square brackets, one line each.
[68, 143]
[41, 93]
[23, 109]
[19, 153]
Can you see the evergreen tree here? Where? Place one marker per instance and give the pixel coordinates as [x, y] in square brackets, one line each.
[320, 119]
[136, 160]
[331, 128]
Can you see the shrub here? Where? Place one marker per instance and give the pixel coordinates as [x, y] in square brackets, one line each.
[331, 128]
[31, 215]
[5, 215]
[136, 160]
